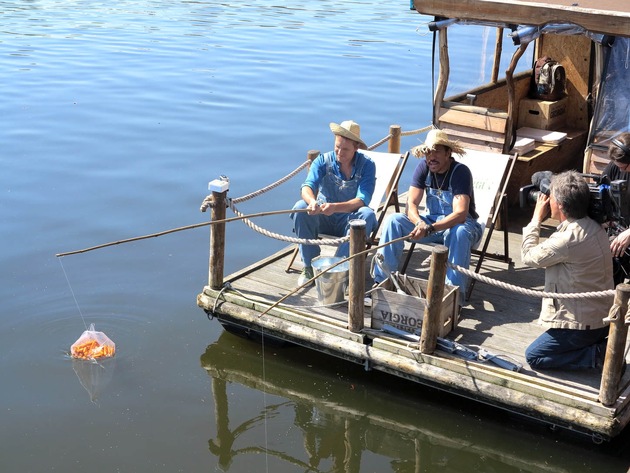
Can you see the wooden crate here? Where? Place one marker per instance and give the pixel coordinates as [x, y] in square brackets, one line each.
[406, 311]
[543, 114]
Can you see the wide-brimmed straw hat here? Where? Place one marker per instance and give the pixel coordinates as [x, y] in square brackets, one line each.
[348, 129]
[434, 138]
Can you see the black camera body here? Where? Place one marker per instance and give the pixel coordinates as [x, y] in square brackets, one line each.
[528, 195]
[605, 202]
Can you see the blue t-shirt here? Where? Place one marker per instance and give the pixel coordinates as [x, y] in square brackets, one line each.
[461, 181]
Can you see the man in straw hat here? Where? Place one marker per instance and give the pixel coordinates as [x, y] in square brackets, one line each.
[450, 216]
[338, 188]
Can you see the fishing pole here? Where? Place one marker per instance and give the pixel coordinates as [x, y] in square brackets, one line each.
[307, 283]
[179, 229]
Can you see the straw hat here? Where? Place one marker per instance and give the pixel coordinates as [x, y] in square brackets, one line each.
[348, 129]
[437, 137]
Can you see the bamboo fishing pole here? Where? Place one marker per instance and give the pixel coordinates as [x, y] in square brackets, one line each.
[179, 229]
[307, 283]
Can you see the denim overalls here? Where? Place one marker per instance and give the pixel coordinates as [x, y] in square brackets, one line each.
[459, 239]
[332, 188]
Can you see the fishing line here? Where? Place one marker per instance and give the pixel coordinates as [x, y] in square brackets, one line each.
[72, 292]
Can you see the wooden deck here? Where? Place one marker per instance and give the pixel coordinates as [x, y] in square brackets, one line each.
[499, 320]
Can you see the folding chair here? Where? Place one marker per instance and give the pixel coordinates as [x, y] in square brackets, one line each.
[389, 168]
[491, 173]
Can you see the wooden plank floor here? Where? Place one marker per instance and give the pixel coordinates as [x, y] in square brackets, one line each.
[500, 320]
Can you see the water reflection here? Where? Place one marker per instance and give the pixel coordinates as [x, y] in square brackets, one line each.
[94, 375]
[337, 423]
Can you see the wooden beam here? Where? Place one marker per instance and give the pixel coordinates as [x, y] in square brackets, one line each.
[600, 16]
[472, 120]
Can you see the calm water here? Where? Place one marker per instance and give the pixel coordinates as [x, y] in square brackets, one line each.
[114, 116]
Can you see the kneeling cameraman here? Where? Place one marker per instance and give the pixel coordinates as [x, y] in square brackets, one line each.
[577, 259]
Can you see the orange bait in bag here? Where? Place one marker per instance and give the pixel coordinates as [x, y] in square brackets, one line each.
[92, 344]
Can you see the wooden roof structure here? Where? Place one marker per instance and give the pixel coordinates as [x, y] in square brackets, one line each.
[610, 17]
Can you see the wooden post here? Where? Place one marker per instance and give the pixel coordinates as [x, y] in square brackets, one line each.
[393, 146]
[217, 241]
[353, 433]
[222, 416]
[498, 49]
[435, 293]
[311, 155]
[510, 126]
[613, 363]
[445, 70]
[356, 289]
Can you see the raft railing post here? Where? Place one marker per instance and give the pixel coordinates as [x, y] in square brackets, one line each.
[435, 293]
[217, 234]
[393, 145]
[615, 348]
[356, 276]
[311, 155]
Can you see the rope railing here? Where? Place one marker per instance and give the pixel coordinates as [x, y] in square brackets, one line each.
[339, 241]
[272, 186]
[416, 132]
[277, 236]
[379, 143]
[305, 164]
[531, 292]
[325, 241]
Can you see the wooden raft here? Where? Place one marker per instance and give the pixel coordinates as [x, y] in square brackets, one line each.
[500, 321]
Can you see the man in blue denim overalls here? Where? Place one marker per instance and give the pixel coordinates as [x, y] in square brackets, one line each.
[338, 188]
[450, 216]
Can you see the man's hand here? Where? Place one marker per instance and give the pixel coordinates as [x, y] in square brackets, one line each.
[620, 243]
[419, 231]
[327, 208]
[542, 207]
[313, 208]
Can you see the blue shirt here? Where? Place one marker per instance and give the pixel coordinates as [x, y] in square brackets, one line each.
[327, 181]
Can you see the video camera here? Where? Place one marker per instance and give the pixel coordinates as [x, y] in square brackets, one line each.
[605, 202]
[604, 208]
